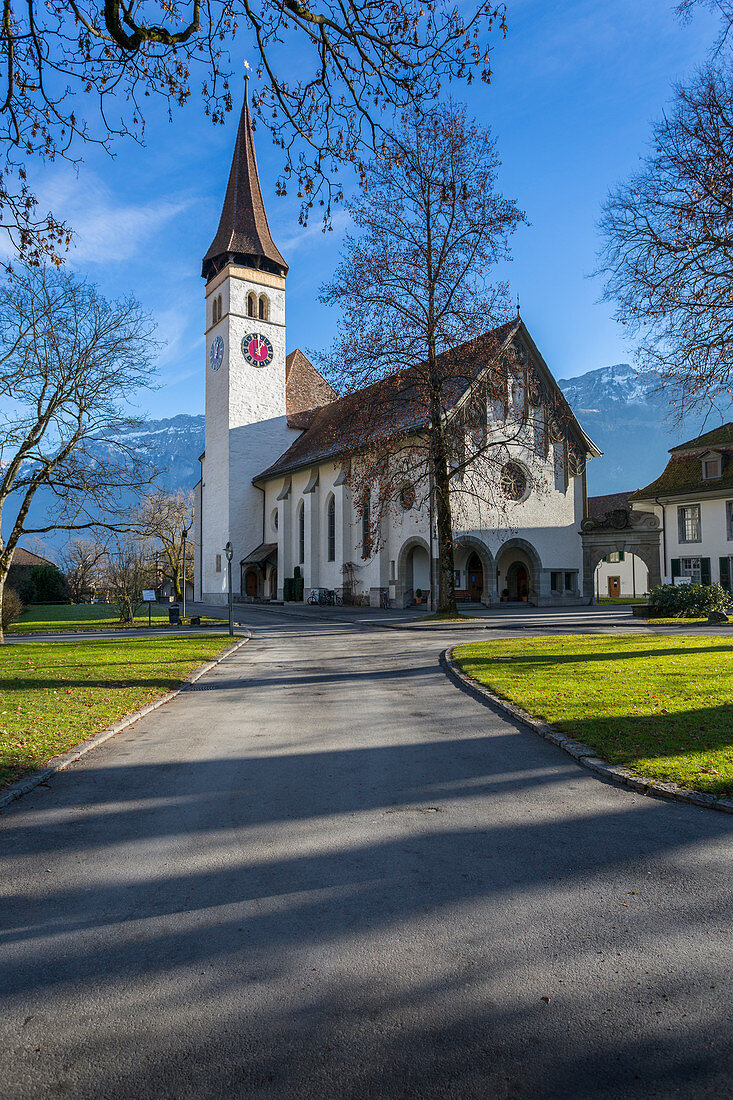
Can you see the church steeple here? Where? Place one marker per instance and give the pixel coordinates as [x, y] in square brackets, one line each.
[243, 234]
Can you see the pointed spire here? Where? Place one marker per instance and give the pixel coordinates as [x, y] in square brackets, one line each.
[243, 231]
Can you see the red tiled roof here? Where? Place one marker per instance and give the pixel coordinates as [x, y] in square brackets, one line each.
[683, 474]
[611, 502]
[27, 558]
[393, 405]
[720, 437]
[305, 388]
[243, 228]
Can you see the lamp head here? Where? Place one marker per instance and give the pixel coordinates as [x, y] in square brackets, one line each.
[229, 551]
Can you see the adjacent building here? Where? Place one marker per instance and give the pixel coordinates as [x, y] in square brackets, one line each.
[693, 499]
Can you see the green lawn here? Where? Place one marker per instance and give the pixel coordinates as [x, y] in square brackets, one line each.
[622, 599]
[661, 704]
[83, 616]
[55, 694]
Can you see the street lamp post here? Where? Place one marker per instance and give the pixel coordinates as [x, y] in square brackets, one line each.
[229, 551]
[184, 536]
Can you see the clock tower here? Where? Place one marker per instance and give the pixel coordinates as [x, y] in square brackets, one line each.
[246, 422]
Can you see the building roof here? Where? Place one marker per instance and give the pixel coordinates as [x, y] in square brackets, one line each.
[27, 558]
[396, 404]
[682, 475]
[305, 389]
[598, 507]
[718, 437]
[243, 231]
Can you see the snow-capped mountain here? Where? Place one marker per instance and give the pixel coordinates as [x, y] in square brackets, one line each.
[628, 418]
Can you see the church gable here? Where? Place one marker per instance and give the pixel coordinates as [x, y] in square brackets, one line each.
[305, 388]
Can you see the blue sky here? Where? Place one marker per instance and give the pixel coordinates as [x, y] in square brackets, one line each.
[576, 86]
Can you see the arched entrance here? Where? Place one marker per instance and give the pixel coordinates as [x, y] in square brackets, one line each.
[474, 577]
[413, 572]
[518, 569]
[518, 581]
[250, 584]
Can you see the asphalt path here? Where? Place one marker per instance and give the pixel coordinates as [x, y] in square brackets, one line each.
[326, 872]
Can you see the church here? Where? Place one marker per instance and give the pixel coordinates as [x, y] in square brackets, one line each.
[274, 484]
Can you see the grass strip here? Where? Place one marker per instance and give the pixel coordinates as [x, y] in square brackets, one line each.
[54, 695]
[39, 618]
[662, 704]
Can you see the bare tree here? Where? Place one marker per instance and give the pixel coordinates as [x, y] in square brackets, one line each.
[66, 69]
[161, 519]
[421, 347]
[69, 364]
[669, 246]
[129, 569]
[82, 562]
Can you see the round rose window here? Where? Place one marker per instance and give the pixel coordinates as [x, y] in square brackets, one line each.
[514, 481]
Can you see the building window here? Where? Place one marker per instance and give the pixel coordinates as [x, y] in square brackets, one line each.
[688, 523]
[514, 482]
[264, 307]
[218, 563]
[615, 556]
[561, 481]
[540, 438]
[556, 582]
[275, 519]
[691, 567]
[517, 394]
[331, 525]
[407, 497]
[570, 582]
[301, 533]
[217, 307]
[710, 469]
[729, 518]
[252, 304]
[366, 529]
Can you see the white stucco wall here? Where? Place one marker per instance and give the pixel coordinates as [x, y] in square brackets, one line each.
[714, 542]
[246, 425]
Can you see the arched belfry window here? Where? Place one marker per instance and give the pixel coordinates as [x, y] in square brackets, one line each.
[331, 527]
[264, 308]
[218, 308]
[252, 304]
[301, 533]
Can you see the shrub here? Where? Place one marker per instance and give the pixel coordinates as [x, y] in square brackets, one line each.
[688, 601]
[12, 607]
[288, 589]
[49, 583]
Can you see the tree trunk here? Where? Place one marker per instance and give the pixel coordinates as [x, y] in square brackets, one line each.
[3, 578]
[443, 513]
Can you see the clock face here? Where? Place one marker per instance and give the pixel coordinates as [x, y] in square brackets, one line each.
[216, 355]
[257, 350]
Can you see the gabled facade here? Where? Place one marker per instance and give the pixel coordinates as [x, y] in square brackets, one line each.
[693, 499]
[274, 473]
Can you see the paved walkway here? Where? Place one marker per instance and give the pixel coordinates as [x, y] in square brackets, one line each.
[327, 873]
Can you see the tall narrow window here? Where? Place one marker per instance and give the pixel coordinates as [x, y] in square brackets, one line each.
[366, 529]
[729, 518]
[218, 308]
[331, 528]
[264, 308]
[252, 304]
[688, 523]
[301, 533]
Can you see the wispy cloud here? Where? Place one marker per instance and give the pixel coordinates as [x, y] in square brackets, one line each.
[106, 227]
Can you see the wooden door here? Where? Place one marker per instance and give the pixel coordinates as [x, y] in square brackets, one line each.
[475, 573]
[250, 583]
[614, 586]
[522, 582]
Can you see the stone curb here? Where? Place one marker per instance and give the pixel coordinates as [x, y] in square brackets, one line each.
[583, 754]
[23, 786]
